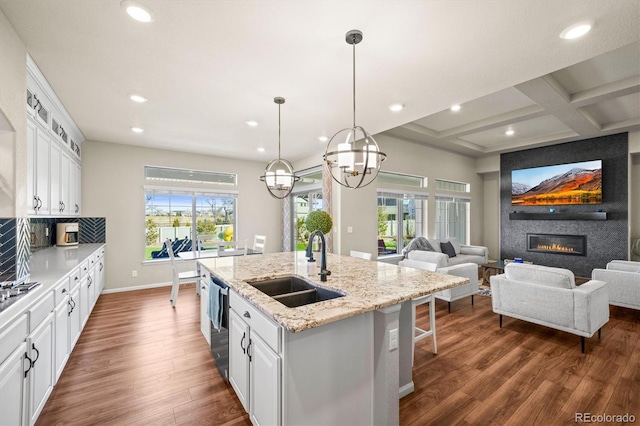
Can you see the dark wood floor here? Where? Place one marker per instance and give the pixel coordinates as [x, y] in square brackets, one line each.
[139, 361]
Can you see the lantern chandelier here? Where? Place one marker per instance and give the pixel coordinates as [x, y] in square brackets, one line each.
[352, 156]
[279, 176]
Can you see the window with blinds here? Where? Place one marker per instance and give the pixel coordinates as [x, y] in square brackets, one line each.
[453, 217]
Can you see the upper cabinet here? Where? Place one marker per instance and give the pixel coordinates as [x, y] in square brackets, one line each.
[54, 167]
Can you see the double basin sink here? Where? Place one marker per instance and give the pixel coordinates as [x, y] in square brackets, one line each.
[293, 291]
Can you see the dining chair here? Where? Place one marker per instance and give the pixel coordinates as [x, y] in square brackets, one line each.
[232, 248]
[178, 277]
[259, 242]
[360, 254]
[419, 333]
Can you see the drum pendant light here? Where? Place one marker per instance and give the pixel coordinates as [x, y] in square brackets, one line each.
[279, 176]
[352, 156]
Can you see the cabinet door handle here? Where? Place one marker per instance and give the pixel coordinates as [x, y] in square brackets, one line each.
[35, 202]
[246, 314]
[90, 281]
[30, 364]
[248, 349]
[33, 345]
[101, 266]
[63, 206]
[39, 203]
[70, 306]
[244, 350]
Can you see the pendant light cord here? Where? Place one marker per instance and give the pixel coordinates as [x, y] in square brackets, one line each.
[278, 131]
[354, 80]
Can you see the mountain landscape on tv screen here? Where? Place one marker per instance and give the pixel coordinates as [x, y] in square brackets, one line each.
[577, 186]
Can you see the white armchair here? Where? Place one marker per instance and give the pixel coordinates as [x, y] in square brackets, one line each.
[548, 296]
[623, 282]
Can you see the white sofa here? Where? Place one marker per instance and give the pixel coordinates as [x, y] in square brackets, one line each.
[623, 282]
[464, 254]
[548, 296]
[465, 270]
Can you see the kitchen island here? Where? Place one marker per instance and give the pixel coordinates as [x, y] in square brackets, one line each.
[331, 362]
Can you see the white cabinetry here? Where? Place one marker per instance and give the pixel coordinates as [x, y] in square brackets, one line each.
[36, 343]
[38, 168]
[40, 375]
[53, 175]
[254, 361]
[205, 322]
[13, 386]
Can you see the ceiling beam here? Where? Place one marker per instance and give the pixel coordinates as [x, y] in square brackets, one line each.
[606, 92]
[551, 96]
[507, 118]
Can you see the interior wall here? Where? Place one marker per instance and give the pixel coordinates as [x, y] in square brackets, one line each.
[358, 208]
[13, 121]
[112, 187]
[491, 216]
[606, 240]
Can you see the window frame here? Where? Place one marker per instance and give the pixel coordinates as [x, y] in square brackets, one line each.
[194, 193]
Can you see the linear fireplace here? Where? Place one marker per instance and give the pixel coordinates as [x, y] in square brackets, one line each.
[560, 244]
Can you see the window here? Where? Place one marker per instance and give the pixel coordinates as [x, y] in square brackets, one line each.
[447, 185]
[307, 197]
[182, 215]
[453, 218]
[191, 176]
[401, 211]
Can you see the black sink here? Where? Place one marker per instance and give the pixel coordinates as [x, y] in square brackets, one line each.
[293, 291]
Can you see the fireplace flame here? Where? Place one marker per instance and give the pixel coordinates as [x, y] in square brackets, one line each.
[554, 247]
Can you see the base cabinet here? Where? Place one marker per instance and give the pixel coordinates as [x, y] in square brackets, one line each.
[62, 319]
[254, 367]
[41, 371]
[264, 384]
[205, 322]
[13, 386]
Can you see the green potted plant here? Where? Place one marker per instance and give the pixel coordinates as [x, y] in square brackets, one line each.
[319, 220]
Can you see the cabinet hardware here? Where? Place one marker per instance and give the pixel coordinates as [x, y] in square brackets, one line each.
[63, 206]
[247, 314]
[248, 348]
[244, 350]
[90, 281]
[33, 345]
[30, 364]
[35, 202]
[64, 290]
[71, 310]
[77, 208]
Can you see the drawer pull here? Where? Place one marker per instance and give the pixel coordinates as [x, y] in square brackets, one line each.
[64, 290]
[247, 314]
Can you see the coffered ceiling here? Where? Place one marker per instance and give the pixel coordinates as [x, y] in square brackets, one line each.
[595, 97]
[207, 67]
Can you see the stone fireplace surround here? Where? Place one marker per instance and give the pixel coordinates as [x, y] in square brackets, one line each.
[605, 239]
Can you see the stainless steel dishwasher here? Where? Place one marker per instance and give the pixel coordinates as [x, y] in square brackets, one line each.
[220, 338]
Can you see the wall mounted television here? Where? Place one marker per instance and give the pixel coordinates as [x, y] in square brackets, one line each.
[572, 183]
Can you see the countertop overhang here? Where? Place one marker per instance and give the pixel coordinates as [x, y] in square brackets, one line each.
[368, 285]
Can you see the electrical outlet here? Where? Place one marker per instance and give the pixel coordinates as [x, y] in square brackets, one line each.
[134, 274]
[46, 231]
[393, 339]
[349, 229]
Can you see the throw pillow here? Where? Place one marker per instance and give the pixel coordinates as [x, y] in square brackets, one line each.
[447, 248]
[456, 244]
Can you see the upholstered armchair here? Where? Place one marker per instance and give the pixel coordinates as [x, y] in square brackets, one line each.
[623, 282]
[548, 296]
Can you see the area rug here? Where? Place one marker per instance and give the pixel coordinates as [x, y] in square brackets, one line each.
[483, 290]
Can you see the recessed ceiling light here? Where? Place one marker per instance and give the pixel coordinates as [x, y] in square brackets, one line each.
[455, 108]
[138, 98]
[509, 132]
[323, 138]
[251, 123]
[396, 107]
[137, 129]
[576, 30]
[137, 11]
[260, 149]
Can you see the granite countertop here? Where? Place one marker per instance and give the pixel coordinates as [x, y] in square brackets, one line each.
[368, 285]
[48, 266]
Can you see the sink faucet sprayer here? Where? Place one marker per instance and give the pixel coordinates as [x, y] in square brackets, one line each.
[323, 260]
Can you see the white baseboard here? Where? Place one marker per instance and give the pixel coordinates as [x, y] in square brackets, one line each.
[406, 389]
[137, 287]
